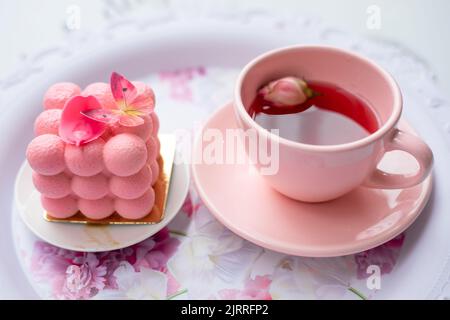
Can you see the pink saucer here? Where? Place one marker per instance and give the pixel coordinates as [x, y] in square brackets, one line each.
[362, 219]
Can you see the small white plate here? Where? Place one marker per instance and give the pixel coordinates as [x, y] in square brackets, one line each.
[88, 237]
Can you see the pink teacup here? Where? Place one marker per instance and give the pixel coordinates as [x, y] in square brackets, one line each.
[316, 173]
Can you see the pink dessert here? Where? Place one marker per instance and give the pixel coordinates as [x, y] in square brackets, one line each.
[95, 151]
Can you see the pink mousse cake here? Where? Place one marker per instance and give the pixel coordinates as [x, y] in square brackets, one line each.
[96, 150]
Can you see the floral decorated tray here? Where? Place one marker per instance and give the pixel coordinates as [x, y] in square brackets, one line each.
[195, 248]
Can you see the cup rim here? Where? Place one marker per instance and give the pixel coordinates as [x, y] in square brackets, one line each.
[382, 130]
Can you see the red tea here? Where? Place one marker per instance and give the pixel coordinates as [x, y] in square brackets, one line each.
[333, 116]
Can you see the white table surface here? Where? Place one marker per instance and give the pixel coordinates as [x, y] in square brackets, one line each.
[29, 26]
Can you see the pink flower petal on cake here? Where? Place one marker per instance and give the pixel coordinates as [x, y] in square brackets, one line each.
[102, 115]
[58, 94]
[130, 120]
[124, 92]
[145, 99]
[76, 128]
[143, 110]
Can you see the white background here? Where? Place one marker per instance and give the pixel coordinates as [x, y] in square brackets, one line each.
[422, 26]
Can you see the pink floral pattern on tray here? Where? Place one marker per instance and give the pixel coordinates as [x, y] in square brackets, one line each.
[196, 257]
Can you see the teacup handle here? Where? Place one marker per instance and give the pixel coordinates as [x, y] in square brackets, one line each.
[401, 140]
